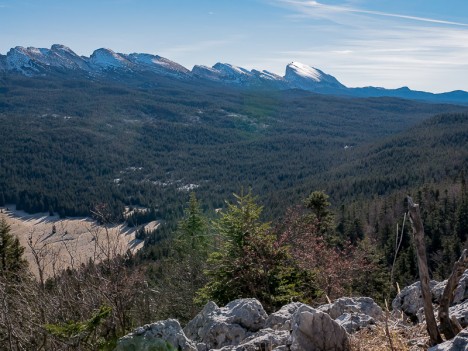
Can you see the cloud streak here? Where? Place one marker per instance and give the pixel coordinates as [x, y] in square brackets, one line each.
[353, 10]
[380, 48]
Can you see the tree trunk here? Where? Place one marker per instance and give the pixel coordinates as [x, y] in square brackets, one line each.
[418, 235]
[447, 326]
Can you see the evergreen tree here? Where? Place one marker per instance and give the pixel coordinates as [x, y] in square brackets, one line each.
[11, 252]
[318, 202]
[251, 262]
[192, 229]
[461, 226]
[187, 263]
[319, 205]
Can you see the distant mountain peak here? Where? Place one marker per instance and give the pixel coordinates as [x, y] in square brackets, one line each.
[61, 60]
[232, 70]
[108, 59]
[205, 72]
[310, 78]
[157, 64]
[266, 75]
[60, 47]
[305, 71]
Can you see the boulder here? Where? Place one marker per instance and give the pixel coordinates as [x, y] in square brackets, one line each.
[217, 327]
[248, 313]
[409, 300]
[264, 340]
[458, 343]
[460, 294]
[460, 312]
[313, 330]
[281, 319]
[437, 291]
[353, 322]
[159, 336]
[352, 305]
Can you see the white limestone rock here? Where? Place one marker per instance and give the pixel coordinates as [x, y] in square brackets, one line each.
[156, 336]
[313, 330]
[361, 305]
[458, 343]
[281, 319]
[227, 326]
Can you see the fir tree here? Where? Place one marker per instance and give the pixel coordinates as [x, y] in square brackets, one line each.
[11, 252]
[251, 262]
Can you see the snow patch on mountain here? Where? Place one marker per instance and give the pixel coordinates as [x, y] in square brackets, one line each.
[231, 71]
[105, 59]
[157, 64]
[224, 72]
[230, 74]
[265, 75]
[67, 58]
[19, 60]
[305, 71]
[30, 60]
[206, 72]
[299, 75]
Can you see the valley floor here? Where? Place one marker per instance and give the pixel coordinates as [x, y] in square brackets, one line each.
[53, 244]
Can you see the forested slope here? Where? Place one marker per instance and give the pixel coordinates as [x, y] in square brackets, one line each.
[68, 145]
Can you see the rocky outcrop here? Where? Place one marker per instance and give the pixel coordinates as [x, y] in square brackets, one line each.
[161, 336]
[353, 313]
[459, 343]
[217, 327]
[265, 339]
[409, 300]
[313, 330]
[281, 319]
[353, 322]
[460, 294]
[460, 312]
[361, 305]
[243, 325]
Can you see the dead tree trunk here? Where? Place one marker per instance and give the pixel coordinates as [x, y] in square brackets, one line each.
[448, 327]
[418, 235]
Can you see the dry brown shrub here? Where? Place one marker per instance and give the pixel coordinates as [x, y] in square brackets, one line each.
[404, 338]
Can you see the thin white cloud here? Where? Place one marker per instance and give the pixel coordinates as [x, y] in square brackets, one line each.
[330, 9]
[422, 57]
[342, 52]
[362, 47]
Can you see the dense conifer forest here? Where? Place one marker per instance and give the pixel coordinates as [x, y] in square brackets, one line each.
[68, 145]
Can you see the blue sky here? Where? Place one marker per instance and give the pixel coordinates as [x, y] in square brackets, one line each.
[415, 43]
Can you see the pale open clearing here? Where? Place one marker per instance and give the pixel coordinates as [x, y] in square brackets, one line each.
[61, 243]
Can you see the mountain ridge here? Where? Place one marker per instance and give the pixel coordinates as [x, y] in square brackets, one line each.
[102, 62]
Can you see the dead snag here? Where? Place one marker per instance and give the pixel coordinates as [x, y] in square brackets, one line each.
[418, 235]
[447, 326]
